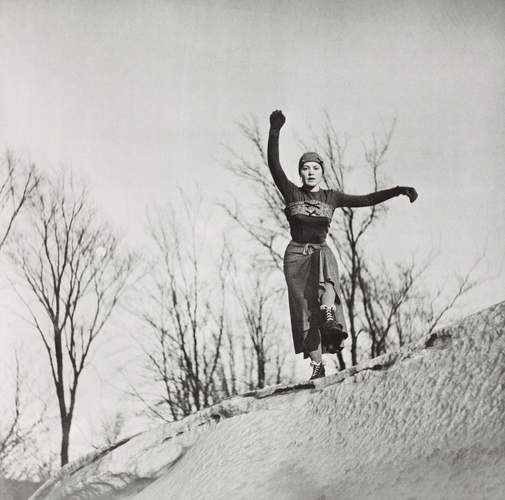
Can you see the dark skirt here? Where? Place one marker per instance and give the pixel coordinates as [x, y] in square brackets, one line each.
[306, 267]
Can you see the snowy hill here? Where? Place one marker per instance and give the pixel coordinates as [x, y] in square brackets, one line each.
[425, 423]
[12, 489]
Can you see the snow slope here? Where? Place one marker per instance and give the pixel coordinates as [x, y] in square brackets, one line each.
[425, 423]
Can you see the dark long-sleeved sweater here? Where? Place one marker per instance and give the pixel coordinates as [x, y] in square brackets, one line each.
[309, 213]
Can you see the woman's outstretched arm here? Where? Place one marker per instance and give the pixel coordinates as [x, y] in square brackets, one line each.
[367, 200]
[277, 120]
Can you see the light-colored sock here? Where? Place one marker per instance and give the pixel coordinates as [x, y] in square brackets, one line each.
[316, 356]
[328, 295]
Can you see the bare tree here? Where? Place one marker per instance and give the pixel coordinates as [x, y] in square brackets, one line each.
[10, 435]
[71, 264]
[17, 184]
[263, 221]
[18, 429]
[351, 227]
[379, 300]
[385, 297]
[426, 310]
[257, 298]
[184, 309]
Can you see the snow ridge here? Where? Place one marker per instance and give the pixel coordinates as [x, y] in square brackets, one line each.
[425, 422]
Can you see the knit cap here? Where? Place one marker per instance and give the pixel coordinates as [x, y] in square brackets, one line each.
[310, 156]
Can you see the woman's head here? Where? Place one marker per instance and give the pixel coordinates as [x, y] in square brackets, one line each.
[311, 169]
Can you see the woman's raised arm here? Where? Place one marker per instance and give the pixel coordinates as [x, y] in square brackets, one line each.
[367, 200]
[277, 120]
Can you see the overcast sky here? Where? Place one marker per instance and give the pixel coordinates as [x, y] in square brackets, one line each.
[141, 96]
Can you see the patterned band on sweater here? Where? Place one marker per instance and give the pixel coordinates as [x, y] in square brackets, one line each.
[314, 208]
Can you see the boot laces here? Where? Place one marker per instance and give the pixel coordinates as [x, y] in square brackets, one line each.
[329, 310]
[316, 368]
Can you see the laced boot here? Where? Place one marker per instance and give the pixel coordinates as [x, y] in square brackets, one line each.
[317, 370]
[331, 331]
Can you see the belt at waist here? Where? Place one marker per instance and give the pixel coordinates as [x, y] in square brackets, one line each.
[308, 248]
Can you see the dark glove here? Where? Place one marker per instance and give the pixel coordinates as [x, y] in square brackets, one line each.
[408, 191]
[277, 120]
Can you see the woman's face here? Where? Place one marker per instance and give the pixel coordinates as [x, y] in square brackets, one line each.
[311, 173]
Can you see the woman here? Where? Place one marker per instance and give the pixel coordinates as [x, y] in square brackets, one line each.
[310, 268]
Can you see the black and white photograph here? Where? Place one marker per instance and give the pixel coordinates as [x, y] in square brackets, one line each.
[252, 249]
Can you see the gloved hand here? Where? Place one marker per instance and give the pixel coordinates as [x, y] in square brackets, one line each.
[408, 191]
[277, 120]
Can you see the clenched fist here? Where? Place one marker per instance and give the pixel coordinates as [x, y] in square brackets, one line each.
[410, 192]
[277, 120]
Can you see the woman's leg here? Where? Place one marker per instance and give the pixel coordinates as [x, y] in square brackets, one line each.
[327, 294]
[316, 355]
[327, 297]
[312, 344]
[316, 360]
[331, 328]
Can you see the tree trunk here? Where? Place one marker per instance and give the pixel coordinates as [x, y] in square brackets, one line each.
[261, 370]
[341, 361]
[65, 438]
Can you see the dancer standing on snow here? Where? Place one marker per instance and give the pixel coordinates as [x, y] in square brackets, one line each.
[310, 268]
